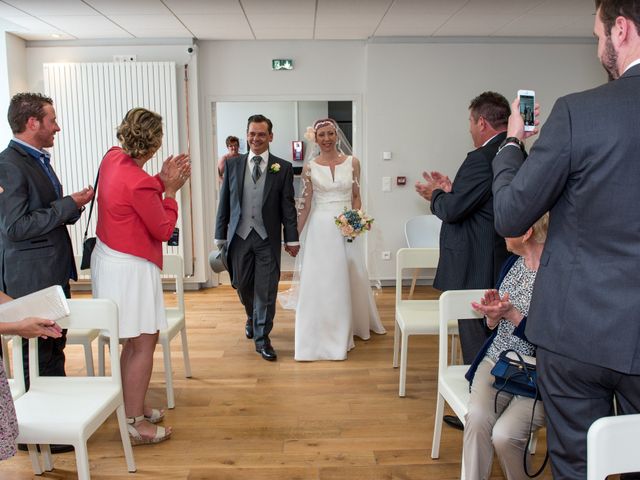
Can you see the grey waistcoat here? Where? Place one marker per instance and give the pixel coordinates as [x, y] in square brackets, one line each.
[252, 195]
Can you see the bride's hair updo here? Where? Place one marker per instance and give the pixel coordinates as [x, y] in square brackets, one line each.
[140, 132]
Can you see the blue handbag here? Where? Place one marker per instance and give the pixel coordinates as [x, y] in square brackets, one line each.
[514, 375]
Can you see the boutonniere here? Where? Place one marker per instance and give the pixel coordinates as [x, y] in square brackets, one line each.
[275, 168]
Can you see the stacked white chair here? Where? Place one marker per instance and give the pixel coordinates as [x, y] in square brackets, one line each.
[612, 446]
[173, 267]
[68, 410]
[84, 337]
[413, 317]
[422, 231]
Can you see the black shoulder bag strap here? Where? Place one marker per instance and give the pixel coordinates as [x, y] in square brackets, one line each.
[95, 194]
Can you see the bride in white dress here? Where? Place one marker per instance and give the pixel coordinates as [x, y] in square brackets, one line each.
[335, 301]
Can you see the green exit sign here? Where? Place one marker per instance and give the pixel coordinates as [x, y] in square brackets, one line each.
[282, 64]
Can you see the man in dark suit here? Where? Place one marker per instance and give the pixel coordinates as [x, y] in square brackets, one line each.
[585, 170]
[35, 246]
[471, 252]
[256, 206]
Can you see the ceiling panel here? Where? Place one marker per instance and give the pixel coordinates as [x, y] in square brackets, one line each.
[90, 27]
[152, 26]
[296, 19]
[128, 7]
[218, 27]
[417, 17]
[40, 8]
[204, 7]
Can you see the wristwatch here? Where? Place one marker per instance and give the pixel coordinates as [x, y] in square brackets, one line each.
[514, 140]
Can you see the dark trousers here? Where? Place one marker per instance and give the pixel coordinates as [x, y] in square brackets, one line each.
[575, 394]
[255, 275]
[472, 334]
[50, 353]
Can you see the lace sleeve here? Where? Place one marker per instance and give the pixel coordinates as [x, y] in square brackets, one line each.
[356, 200]
[304, 206]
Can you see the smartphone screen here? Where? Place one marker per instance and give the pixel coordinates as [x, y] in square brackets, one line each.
[526, 110]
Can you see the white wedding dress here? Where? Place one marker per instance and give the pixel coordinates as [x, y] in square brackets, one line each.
[334, 301]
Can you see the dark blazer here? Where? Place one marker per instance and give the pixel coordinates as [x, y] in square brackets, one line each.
[278, 207]
[35, 246]
[471, 252]
[585, 170]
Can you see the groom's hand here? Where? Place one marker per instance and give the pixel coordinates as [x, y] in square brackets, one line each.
[292, 249]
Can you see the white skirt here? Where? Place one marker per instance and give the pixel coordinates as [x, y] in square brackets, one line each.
[134, 284]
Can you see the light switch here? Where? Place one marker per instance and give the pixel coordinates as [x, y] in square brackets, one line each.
[386, 184]
[386, 155]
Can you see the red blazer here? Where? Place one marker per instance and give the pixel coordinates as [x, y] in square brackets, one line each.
[133, 217]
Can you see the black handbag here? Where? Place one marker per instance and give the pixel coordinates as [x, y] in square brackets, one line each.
[516, 376]
[88, 244]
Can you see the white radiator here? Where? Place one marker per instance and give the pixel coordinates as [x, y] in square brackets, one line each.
[91, 100]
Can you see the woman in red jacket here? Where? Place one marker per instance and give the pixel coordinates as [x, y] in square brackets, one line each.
[134, 218]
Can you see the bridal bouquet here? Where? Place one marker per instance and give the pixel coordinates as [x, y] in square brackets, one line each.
[352, 223]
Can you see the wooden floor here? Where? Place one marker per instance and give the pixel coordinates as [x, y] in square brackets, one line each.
[242, 418]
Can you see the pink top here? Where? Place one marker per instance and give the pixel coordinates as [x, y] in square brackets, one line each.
[133, 217]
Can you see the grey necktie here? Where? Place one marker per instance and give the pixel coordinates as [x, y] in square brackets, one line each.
[255, 174]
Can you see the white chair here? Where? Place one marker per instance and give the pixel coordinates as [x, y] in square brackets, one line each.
[612, 446]
[413, 317]
[16, 382]
[173, 266]
[453, 388]
[68, 410]
[422, 231]
[84, 337]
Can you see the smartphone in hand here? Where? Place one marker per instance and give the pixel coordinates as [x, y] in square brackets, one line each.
[527, 106]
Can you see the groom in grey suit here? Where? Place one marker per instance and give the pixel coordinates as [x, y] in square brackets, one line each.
[585, 308]
[256, 206]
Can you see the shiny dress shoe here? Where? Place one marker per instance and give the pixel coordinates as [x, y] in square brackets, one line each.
[54, 448]
[453, 421]
[267, 352]
[248, 329]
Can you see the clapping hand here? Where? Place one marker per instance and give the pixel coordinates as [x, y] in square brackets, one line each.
[175, 171]
[433, 181]
[495, 308]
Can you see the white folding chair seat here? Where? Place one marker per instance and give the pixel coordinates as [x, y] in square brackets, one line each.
[422, 231]
[612, 446]
[172, 266]
[68, 410]
[413, 317]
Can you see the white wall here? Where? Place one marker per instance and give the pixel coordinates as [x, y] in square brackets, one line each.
[13, 78]
[409, 98]
[417, 98]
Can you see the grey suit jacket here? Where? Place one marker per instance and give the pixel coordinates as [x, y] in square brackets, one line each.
[585, 170]
[35, 246]
[471, 252]
[278, 206]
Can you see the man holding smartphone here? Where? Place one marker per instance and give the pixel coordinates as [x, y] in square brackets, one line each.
[585, 170]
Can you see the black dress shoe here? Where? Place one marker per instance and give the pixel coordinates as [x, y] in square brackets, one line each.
[453, 421]
[267, 352]
[248, 328]
[54, 448]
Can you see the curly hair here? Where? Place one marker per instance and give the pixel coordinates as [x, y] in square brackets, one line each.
[140, 133]
[24, 106]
